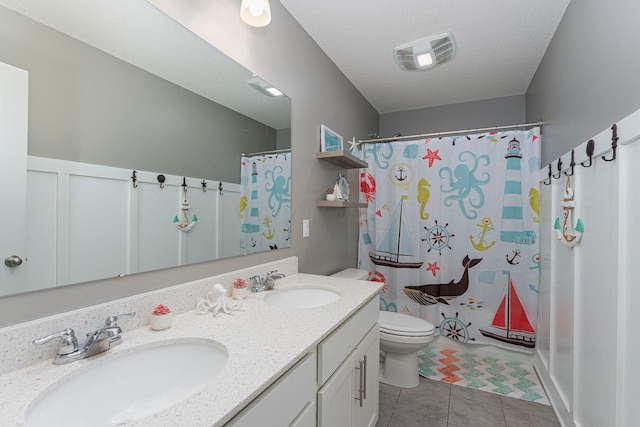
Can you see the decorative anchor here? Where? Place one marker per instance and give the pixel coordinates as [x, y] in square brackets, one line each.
[270, 231]
[567, 234]
[402, 177]
[487, 225]
[512, 261]
[182, 219]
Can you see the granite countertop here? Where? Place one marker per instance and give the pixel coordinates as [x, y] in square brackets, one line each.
[263, 343]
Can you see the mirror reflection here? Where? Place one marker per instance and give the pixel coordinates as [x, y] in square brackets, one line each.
[147, 148]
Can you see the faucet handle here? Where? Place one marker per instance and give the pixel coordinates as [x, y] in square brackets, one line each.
[68, 341]
[113, 320]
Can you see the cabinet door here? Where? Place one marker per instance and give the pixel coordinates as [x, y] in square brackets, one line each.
[365, 413]
[336, 397]
[286, 402]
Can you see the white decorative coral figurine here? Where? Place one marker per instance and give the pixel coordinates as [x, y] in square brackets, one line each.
[217, 300]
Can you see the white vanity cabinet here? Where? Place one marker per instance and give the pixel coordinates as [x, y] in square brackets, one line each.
[348, 371]
[335, 387]
[290, 401]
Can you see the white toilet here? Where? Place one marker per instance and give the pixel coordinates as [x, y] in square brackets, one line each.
[401, 337]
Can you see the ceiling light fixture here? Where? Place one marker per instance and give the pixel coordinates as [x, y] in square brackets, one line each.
[264, 87]
[425, 53]
[256, 13]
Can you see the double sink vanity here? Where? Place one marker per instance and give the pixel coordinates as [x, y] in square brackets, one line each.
[304, 354]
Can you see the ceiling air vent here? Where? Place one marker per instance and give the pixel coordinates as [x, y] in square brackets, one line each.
[425, 53]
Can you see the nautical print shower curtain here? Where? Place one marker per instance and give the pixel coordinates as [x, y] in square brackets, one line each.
[451, 228]
[265, 203]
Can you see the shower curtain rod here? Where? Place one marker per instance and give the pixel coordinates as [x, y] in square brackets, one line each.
[452, 132]
[257, 153]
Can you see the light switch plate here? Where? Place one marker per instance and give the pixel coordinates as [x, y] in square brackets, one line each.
[305, 228]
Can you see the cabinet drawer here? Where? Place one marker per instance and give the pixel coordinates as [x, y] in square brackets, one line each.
[283, 401]
[337, 346]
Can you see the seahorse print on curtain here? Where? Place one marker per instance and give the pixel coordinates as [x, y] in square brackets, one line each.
[451, 228]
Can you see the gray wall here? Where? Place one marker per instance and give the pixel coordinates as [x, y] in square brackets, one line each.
[88, 106]
[589, 77]
[509, 110]
[284, 55]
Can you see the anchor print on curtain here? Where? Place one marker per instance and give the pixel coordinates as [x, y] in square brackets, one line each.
[451, 230]
[265, 203]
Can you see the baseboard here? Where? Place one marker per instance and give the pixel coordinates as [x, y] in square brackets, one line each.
[564, 417]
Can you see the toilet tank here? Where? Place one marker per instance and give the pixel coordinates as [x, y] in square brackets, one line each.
[352, 273]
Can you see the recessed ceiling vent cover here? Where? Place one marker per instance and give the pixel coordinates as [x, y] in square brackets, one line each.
[425, 53]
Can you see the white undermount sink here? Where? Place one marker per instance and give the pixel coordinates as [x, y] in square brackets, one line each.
[301, 297]
[131, 386]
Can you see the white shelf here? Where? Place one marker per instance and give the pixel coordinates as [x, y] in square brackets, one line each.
[339, 204]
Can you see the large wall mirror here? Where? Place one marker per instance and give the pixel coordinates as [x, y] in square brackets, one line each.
[147, 148]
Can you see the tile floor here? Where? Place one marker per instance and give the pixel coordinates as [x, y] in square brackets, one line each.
[438, 404]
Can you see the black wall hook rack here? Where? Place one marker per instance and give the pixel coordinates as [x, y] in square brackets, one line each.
[204, 186]
[614, 143]
[571, 164]
[220, 187]
[184, 184]
[559, 170]
[134, 179]
[548, 180]
[161, 180]
[591, 146]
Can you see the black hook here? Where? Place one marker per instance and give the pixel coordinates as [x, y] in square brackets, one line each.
[559, 169]
[614, 143]
[572, 164]
[184, 184]
[591, 146]
[161, 180]
[548, 180]
[220, 187]
[204, 186]
[134, 178]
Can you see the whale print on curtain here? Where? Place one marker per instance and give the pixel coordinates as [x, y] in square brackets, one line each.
[451, 228]
[265, 202]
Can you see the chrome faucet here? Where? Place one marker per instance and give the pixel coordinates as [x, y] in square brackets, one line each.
[269, 281]
[97, 341]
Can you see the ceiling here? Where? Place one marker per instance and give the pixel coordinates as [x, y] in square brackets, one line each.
[500, 44]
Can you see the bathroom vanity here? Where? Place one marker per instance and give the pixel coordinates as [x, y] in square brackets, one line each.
[285, 365]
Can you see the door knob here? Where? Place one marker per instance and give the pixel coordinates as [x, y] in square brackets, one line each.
[12, 261]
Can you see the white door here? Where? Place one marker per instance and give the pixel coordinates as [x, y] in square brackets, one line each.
[14, 84]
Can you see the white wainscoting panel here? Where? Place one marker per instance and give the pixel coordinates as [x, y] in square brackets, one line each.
[201, 242]
[88, 222]
[229, 213]
[596, 293]
[158, 239]
[590, 366]
[98, 227]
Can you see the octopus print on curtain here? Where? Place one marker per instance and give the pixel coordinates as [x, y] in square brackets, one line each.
[451, 228]
[265, 203]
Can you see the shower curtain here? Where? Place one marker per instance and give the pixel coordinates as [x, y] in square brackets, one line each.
[451, 228]
[265, 202]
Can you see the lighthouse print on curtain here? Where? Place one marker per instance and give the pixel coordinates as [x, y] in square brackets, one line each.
[265, 203]
[451, 228]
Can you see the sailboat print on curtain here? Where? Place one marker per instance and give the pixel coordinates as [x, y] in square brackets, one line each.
[512, 318]
[395, 245]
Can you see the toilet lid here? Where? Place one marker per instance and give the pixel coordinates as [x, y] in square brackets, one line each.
[403, 324]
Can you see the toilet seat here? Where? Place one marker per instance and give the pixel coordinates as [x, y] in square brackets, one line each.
[403, 325]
